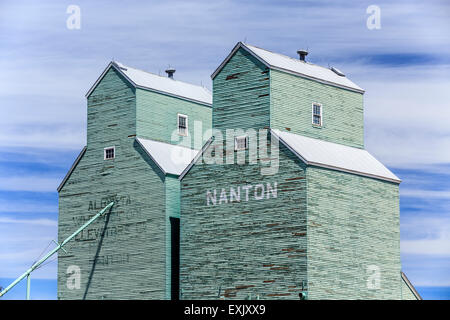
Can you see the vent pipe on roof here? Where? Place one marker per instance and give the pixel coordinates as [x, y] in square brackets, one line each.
[170, 72]
[302, 54]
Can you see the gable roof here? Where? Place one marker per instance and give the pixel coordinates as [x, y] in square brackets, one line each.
[287, 64]
[335, 156]
[195, 159]
[410, 286]
[74, 165]
[171, 159]
[149, 81]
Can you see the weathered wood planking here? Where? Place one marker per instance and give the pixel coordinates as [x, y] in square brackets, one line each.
[243, 249]
[127, 255]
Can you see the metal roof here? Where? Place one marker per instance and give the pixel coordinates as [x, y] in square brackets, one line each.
[149, 81]
[335, 156]
[295, 66]
[170, 158]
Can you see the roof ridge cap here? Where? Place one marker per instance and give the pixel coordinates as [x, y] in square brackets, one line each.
[286, 56]
[158, 75]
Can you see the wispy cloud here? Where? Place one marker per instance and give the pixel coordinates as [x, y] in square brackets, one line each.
[426, 270]
[407, 121]
[29, 183]
[30, 206]
[440, 246]
[39, 222]
[23, 242]
[427, 194]
[426, 234]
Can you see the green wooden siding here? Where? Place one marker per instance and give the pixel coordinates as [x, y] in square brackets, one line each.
[353, 223]
[323, 229]
[247, 249]
[157, 118]
[115, 89]
[241, 94]
[132, 259]
[291, 109]
[123, 255]
[243, 249]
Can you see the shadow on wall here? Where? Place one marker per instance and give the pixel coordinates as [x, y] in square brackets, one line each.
[94, 263]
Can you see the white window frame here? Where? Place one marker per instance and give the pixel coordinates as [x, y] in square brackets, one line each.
[321, 114]
[236, 143]
[178, 124]
[108, 148]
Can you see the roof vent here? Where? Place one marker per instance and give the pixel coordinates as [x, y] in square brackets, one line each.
[337, 71]
[302, 53]
[170, 72]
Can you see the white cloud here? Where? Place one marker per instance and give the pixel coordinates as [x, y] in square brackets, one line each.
[49, 137]
[23, 242]
[47, 69]
[440, 246]
[431, 232]
[427, 194]
[407, 119]
[38, 222]
[27, 206]
[29, 183]
[427, 270]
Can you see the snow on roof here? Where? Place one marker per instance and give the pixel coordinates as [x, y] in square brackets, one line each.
[147, 80]
[335, 156]
[170, 158]
[287, 64]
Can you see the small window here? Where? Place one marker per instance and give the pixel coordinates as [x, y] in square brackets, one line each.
[240, 143]
[317, 114]
[109, 153]
[182, 125]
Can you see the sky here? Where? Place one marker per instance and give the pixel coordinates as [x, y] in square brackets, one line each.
[47, 68]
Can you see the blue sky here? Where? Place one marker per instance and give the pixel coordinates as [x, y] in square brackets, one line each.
[46, 69]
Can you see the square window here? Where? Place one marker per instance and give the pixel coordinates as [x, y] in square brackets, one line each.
[109, 153]
[182, 125]
[241, 143]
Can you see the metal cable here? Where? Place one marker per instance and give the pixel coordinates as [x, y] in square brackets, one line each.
[42, 253]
